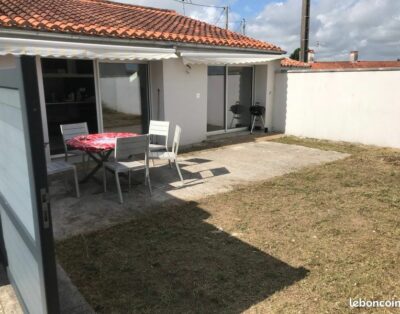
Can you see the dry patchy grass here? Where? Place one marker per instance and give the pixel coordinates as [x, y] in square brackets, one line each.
[302, 243]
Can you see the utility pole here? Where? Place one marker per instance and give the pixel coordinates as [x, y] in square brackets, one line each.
[244, 26]
[305, 30]
[227, 17]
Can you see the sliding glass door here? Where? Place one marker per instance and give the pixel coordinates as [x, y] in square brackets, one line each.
[69, 92]
[230, 96]
[124, 97]
[239, 97]
[110, 97]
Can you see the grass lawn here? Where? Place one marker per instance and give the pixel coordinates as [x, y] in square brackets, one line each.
[302, 243]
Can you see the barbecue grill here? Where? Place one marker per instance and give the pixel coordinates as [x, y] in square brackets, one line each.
[237, 110]
[257, 112]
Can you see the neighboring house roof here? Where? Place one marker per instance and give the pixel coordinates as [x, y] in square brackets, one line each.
[290, 63]
[111, 19]
[343, 65]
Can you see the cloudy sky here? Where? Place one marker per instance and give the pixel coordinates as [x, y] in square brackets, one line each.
[337, 26]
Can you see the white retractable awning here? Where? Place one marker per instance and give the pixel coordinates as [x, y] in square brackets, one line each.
[63, 49]
[218, 58]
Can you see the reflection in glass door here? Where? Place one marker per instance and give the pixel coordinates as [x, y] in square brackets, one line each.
[124, 97]
[239, 97]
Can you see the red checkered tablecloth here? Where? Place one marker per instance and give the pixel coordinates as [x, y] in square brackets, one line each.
[96, 143]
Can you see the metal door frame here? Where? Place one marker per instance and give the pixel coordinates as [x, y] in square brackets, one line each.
[226, 129]
[42, 247]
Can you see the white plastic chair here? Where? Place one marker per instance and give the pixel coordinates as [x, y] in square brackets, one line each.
[126, 154]
[61, 166]
[68, 132]
[171, 156]
[159, 128]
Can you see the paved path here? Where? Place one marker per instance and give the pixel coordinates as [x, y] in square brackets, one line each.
[8, 300]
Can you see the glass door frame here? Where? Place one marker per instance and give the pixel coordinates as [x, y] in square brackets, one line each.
[226, 130]
[96, 73]
[97, 77]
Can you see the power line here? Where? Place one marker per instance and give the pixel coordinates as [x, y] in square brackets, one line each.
[219, 18]
[225, 9]
[184, 8]
[199, 4]
[241, 26]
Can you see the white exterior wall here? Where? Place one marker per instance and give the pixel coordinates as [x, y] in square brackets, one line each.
[272, 68]
[361, 107]
[183, 96]
[260, 88]
[280, 102]
[185, 99]
[264, 89]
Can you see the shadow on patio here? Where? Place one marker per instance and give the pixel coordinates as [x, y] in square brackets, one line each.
[96, 210]
[172, 262]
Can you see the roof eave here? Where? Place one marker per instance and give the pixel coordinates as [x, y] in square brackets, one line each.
[13, 32]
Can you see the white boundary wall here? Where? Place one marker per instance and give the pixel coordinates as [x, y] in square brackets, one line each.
[359, 106]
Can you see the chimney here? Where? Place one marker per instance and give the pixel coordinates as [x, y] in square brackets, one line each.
[310, 56]
[353, 56]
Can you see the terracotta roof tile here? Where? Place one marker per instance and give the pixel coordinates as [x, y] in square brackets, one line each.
[290, 63]
[341, 65]
[112, 19]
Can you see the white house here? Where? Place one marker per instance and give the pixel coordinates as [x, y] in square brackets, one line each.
[146, 64]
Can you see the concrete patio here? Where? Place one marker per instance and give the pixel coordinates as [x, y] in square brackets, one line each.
[206, 172]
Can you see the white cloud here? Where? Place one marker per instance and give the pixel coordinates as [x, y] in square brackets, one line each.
[337, 27]
[370, 26]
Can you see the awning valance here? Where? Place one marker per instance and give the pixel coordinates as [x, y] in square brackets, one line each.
[63, 49]
[218, 58]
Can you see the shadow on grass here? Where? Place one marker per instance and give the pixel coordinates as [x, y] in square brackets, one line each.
[172, 262]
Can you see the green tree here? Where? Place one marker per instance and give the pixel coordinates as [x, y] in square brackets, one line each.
[295, 54]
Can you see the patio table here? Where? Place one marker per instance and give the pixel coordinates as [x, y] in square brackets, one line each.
[98, 146]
